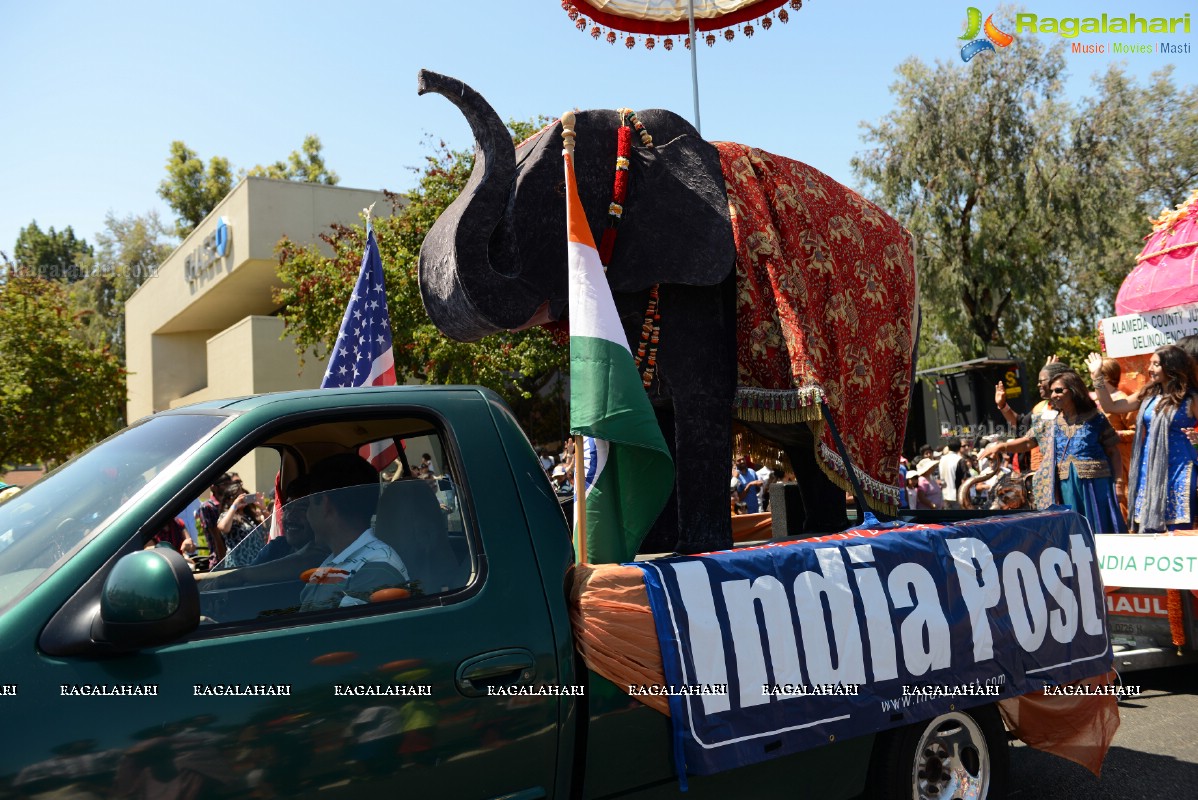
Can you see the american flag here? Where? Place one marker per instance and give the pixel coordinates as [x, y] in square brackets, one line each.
[362, 355]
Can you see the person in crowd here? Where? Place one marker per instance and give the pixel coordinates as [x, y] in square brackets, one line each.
[903, 469]
[447, 494]
[1161, 479]
[971, 463]
[766, 476]
[241, 513]
[953, 472]
[568, 455]
[734, 498]
[207, 515]
[173, 533]
[561, 481]
[430, 466]
[546, 461]
[188, 551]
[987, 463]
[748, 484]
[911, 489]
[1021, 424]
[1080, 465]
[360, 563]
[929, 494]
[1124, 424]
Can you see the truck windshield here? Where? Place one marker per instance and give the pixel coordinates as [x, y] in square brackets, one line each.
[44, 522]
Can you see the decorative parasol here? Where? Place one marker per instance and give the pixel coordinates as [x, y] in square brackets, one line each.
[1166, 271]
[651, 21]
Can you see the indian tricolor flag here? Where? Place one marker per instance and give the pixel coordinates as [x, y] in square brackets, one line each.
[629, 472]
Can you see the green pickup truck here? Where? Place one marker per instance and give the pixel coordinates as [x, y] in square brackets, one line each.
[124, 673]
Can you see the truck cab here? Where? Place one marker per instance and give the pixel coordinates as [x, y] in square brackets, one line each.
[132, 675]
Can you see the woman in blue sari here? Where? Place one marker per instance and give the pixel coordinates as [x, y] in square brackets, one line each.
[1081, 463]
[1161, 479]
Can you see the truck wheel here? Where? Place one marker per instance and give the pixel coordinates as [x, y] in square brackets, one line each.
[961, 755]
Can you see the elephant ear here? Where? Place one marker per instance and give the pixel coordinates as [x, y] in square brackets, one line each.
[676, 227]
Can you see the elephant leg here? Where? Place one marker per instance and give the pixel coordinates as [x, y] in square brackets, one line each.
[664, 534]
[692, 396]
[824, 507]
[703, 438]
[696, 519]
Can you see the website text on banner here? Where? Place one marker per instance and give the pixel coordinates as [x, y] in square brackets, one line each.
[1148, 562]
[821, 642]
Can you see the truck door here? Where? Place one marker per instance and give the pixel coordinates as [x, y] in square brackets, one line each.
[424, 687]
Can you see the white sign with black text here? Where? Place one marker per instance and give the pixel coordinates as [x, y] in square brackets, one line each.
[1137, 334]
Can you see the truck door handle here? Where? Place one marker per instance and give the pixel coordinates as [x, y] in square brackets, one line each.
[514, 666]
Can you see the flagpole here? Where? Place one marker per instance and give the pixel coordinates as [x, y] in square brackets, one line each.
[690, 15]
[580, 489]
[580, 498]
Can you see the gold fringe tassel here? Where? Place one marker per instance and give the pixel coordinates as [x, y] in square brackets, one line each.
[876, 503]
[788, 416]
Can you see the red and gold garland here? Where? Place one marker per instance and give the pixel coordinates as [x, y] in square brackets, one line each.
[613, 26]
[651, 329]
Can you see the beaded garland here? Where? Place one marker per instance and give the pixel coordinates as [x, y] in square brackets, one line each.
[651, 329]
[612, 25]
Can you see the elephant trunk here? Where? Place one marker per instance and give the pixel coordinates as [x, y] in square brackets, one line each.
[462, 275]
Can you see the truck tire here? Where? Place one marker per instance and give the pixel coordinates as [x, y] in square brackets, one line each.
[961, 755]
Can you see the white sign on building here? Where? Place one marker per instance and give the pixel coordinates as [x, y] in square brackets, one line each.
[1137, 334]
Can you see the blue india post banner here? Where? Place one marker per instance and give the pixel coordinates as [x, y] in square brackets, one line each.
[776, 649]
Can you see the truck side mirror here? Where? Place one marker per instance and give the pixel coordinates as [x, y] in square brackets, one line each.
[149, 598]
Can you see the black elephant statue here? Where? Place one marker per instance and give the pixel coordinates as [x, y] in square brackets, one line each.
[749, 286]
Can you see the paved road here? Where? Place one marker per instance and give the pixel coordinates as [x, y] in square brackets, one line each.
[1154, 755]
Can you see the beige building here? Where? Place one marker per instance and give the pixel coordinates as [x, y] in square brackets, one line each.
[205, 326]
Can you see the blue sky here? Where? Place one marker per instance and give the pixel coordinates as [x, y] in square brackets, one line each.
[92, 94]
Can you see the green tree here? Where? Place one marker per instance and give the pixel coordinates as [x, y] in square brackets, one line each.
[1027, 211]
[520, 366]
[130, 249]
[58, 395]
[1133, 153]
[191, 189]
[50, 254]
[305, 165]
[971, 161]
